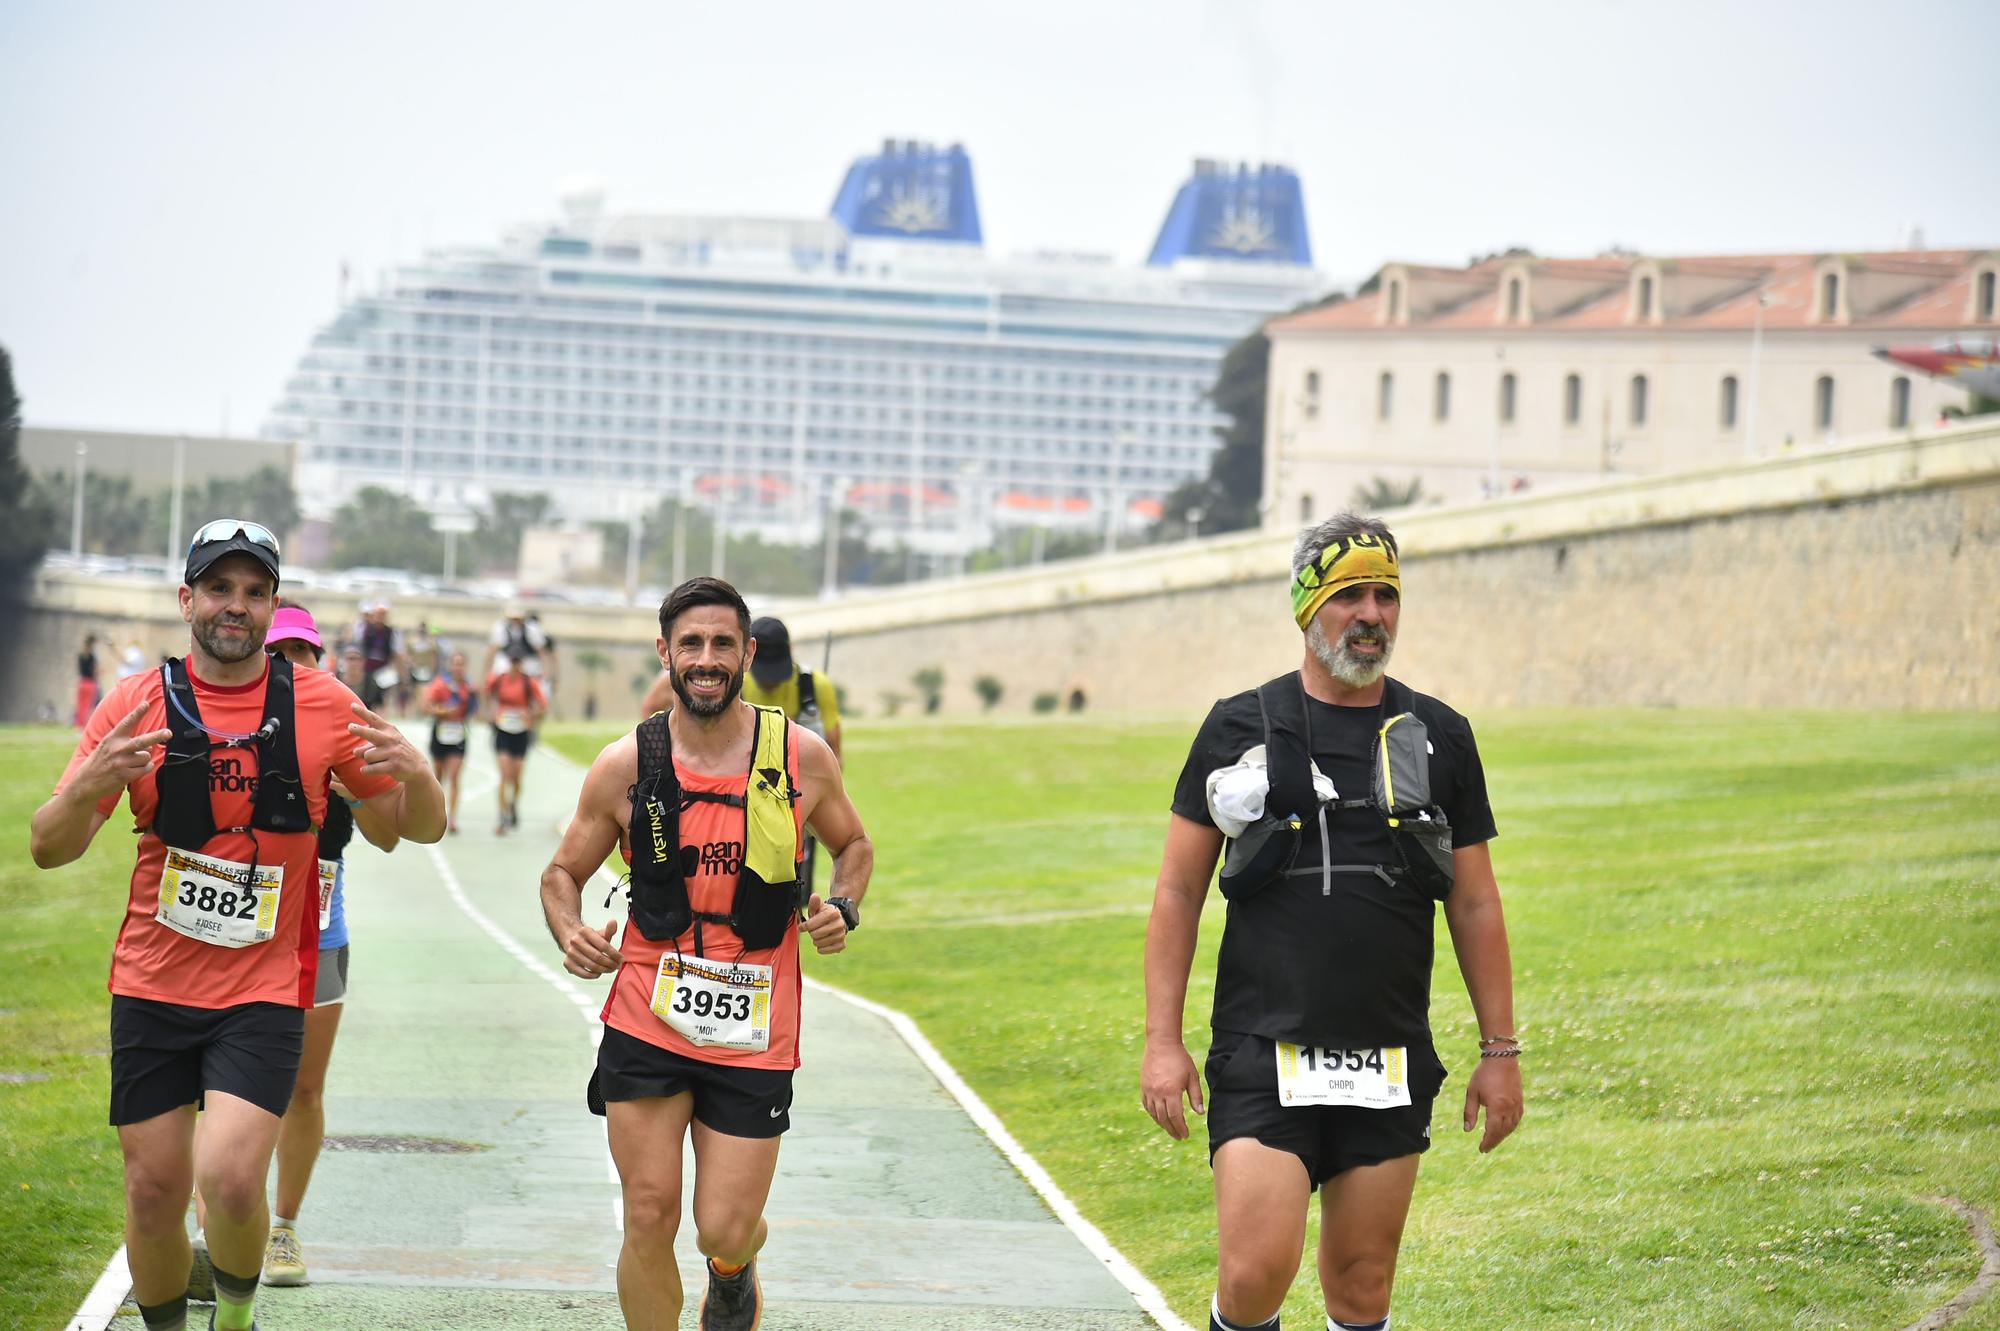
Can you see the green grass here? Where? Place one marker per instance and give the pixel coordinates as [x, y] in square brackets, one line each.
[61, 1183]
[1757, 961]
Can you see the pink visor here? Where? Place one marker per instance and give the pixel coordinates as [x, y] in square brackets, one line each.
[291, 622]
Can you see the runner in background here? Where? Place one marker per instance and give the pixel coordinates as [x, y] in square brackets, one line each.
[86, 680]
[450, 700]
[516, 703]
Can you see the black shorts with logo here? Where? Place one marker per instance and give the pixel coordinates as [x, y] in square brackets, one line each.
[739, 1102]
[165, 1055]
[1242, 1076]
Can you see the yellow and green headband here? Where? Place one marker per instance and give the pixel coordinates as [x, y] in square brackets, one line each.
[1349, 560]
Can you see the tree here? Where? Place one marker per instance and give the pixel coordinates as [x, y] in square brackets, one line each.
[383, 529]
[989, 690]
[117, 520]
[265, 495]
[929, 684]
[496, 541]
[591, 661]
[25, 520]
[1382, 494]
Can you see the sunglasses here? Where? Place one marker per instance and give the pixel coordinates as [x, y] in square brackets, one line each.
[223, 529]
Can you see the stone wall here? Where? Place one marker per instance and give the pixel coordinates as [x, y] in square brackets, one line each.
[1860, 577]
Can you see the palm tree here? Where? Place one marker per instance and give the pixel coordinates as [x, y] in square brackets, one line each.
[1382, 494]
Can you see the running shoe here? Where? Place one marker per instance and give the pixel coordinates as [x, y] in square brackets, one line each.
[284, 1263]
[732, 1303]
[201, 1276]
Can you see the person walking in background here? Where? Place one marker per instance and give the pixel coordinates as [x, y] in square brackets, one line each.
[86, 680]
[515, 634]
[1351, 804]
[133, 662]
[381, 655]
[450, 700]
[516, 703]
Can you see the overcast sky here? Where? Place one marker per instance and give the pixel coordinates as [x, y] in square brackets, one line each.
[180, 183]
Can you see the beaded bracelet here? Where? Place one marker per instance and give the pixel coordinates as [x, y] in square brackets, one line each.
[1514, 1052]
[1485, 1040]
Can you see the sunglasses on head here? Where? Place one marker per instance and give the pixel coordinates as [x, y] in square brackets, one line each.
[223, 529]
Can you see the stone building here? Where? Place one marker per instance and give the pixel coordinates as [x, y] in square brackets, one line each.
[1520, 373]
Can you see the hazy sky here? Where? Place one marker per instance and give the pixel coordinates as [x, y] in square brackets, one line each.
[180, 182]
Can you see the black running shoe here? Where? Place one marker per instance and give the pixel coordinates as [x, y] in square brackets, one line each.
[733, 1303]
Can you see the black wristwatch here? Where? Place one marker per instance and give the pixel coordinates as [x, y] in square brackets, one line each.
[849, 911]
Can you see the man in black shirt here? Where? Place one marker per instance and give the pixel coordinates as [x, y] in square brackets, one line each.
[1353, 803]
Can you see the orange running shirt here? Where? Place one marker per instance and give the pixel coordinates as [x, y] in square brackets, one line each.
[516, 690]
[718, 830]
[441, 690]
[152, 961]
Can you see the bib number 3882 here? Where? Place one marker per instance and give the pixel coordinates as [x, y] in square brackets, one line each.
[1366, 1078]
[721, 1003]
[219, 901]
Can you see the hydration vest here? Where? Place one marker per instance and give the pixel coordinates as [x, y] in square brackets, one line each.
[185, 817]
[338, 829]
[768, 886]
[809, 714]
[1269, 850]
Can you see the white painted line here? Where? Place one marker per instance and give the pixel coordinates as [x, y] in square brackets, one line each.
[1142, 1290]
[102, 1303]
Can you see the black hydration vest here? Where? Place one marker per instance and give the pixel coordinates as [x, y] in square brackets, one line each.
[338, 829]
[186, 815]
[809, 713]
[1272, 849]
[768, 886]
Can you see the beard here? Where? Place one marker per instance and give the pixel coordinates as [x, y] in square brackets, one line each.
[229, 651]
[1352, 668]
[733, 685]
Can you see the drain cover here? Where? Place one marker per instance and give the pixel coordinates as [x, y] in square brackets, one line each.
[403, 1145]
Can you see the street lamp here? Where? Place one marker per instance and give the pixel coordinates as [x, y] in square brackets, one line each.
[1764, 301]
[76, 505]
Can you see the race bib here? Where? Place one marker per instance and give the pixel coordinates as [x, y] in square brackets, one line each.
[329, 878]
[511, 721]
[1367, 1078]
[219, 901]
[387, 678]
[715, 1002]
[451, 732]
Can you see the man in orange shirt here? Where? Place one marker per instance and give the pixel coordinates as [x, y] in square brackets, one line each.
[517, 705]
[224, 758]
[702, 1024]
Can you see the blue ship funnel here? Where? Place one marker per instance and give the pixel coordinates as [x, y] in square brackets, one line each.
[1247, 212]
[910, 191]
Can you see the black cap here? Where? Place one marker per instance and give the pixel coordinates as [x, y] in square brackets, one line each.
[773, 663]
[201, 557]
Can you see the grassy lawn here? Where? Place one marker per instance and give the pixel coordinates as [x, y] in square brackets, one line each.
[1757, 961]
[1757, 958]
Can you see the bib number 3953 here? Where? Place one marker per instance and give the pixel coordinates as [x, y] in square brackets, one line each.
[219, 901]
[721, 1003]
[1367, 1078]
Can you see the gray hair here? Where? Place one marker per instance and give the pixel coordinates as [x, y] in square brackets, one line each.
[1315, 539]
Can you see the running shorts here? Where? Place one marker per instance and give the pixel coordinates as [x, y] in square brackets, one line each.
[738, 1102]
[1242, 1076]
[165, 1055]
[331, 987]
[514, 746]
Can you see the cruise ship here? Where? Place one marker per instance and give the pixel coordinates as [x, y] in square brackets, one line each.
[775, 370]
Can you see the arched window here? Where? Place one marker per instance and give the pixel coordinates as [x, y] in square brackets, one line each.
[1507, 396]
[1985, 302]
[1514, 300]
[1899, 402]
[1727, 410]
[1441, 398]
[1829, 296]
[1395, 301]
[1823, 402]
[1645, 297]
[1573, 399]
[1638, 399]
[1385, 396]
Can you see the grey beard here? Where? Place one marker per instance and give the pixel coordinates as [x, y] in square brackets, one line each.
[1345, 664]
[707, 709]
[227, 653]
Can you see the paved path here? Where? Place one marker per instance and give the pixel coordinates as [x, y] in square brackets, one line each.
[891, 1208]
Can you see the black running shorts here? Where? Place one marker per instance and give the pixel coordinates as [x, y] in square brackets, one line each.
[164, 1055]
[739, 1102]
[447, 750]
[514, 746]
[1242, 1076]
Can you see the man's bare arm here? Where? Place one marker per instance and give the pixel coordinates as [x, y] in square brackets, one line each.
[1167, 1072]
[1479, 939]
[62, 829]
[587, 841]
